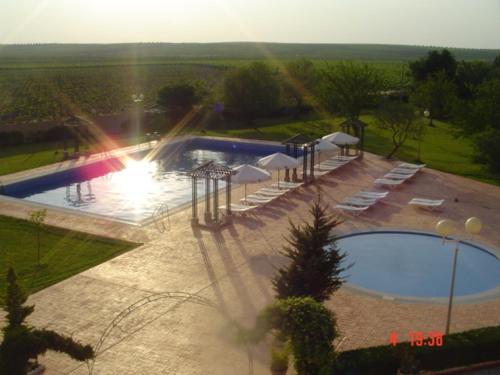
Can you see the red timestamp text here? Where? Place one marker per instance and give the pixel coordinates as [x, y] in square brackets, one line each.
[420, 338]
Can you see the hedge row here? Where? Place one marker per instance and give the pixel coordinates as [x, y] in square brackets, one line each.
[15, 138]
[459, 349]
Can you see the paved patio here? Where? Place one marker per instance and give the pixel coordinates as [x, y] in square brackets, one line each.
[233, 268]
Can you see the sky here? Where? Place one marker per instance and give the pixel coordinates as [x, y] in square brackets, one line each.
[447, 23]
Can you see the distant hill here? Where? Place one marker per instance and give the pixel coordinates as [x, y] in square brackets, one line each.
[130, 52]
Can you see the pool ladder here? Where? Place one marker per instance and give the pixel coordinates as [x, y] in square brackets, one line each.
[159, 216]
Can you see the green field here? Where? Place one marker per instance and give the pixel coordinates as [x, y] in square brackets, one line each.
[63, 253]
[440, 148]
[139, 52]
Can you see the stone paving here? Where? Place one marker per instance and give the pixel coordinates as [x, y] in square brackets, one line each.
[233, 268]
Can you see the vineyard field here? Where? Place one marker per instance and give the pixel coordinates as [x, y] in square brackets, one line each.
[46, 93]
[51, 93]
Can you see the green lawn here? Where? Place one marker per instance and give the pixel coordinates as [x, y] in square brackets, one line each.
[28, 156]
[63, 253]
[440, 148]
[19, 158]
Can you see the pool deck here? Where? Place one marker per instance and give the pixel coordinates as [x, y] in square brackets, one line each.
[233, 268]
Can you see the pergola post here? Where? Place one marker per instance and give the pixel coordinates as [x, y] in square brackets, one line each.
[208, 215]
[194, 201]
[216, 200]
[295, 154]
[228, 196]
[304, 166]
[312, 161]
[287, 170]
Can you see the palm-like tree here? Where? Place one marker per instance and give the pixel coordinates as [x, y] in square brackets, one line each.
[23, 343]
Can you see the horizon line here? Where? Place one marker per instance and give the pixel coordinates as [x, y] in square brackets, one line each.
[247, 42]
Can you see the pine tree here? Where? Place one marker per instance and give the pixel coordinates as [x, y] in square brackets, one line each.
[316, 263]
[22, 343]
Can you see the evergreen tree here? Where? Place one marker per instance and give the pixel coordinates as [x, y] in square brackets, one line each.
[22, 343]
[316, 263]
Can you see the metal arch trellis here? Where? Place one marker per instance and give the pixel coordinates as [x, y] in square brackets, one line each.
[158, 215]
[180, 296]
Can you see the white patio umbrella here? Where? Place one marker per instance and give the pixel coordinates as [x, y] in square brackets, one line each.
[324, 146]
[341, 139]
[248, 174]
[278, 161]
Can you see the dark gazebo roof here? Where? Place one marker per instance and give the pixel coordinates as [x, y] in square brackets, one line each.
[299, 139]
[211, 170]
[76, 122]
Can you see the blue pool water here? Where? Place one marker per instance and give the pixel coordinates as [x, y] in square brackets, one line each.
[131, 189]
[417, 265]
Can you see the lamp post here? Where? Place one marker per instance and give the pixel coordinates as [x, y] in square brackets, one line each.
[445, 227]
[137, 99]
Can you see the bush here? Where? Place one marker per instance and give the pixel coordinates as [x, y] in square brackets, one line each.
[459, 349]
[11, 138]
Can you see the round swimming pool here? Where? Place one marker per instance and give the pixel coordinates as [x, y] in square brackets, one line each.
[409, 264]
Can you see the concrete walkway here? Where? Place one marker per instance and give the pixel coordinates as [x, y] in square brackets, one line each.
[233, 268]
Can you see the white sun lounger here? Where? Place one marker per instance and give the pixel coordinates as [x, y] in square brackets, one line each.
[360, 202]
[255, 199]
[372, 194]
[239, 208]
[335, 162]
[397, 176]
[427, 203]
[388, 182]
[411, 166]
[344, 158]
[326, 168]
[268, 192]
[404, 170]
[287, 185]
[356, 210]
[322, 172]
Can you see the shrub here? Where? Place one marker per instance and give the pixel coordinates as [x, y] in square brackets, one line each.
[459, 349]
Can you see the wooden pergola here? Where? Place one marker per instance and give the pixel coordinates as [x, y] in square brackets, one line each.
[78, 128]
[356, 128]
[292, 146]
[211, 173]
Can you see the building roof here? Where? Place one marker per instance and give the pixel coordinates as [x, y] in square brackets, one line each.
[75, 122]
[211, 170]
[298, 139]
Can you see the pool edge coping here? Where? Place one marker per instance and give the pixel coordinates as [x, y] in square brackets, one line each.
[488, 295]
[96, 158]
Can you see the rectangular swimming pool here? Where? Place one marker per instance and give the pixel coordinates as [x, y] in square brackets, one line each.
[130, 189]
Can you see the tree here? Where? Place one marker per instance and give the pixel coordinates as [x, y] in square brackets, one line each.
[479, 119]
[315, 266]
[179, 98]
[349, 88]
[471, 75]
[22, 343]
[310, 327]
[435, 62]
[252, 91]
[437, 94]
[299, 82]
[401, 119]
[38, 219]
